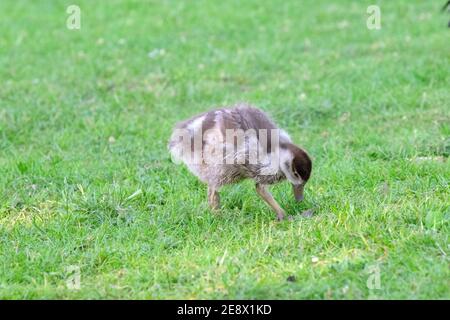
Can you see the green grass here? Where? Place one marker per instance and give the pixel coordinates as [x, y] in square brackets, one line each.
[86, 179]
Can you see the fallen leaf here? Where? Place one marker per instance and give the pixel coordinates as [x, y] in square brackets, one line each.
[291, 279]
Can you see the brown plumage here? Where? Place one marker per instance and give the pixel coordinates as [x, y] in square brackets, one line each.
[227, 145]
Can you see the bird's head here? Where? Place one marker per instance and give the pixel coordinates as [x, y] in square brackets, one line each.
[296, 165]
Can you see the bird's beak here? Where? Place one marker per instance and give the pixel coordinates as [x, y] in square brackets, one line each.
[298, 191]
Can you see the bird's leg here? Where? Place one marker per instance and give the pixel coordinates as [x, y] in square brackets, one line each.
[267, 196]
[213, 198]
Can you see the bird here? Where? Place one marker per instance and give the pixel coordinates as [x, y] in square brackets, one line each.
[227, 145]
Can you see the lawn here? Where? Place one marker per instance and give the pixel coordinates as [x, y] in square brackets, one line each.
[88, 191]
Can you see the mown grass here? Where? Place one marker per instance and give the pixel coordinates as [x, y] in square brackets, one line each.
[86, 180]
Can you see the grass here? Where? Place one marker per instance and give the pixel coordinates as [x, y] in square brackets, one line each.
[86, 179]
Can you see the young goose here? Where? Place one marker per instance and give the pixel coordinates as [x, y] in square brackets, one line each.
[227, 145]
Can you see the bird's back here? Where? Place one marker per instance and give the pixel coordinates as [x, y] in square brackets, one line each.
[220, 122]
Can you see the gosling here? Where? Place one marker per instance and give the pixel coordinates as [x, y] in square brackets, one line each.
[225, 146]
